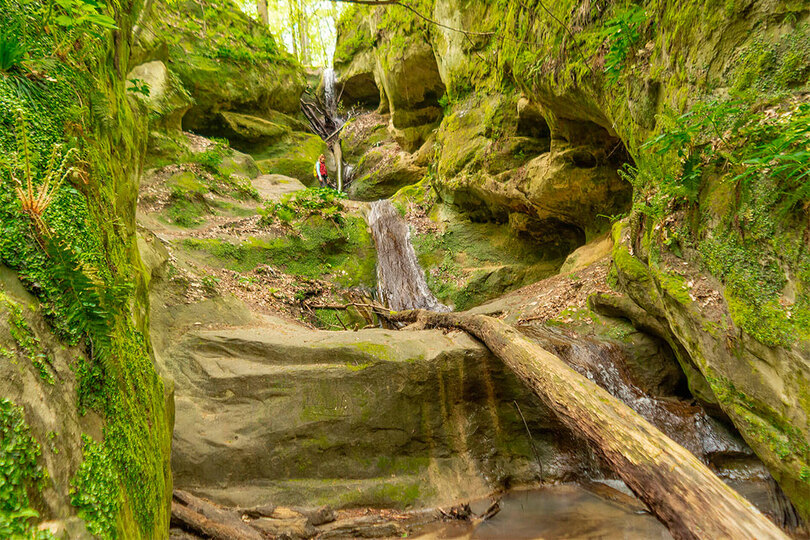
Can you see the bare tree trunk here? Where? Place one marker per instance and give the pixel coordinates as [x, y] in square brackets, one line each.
[292, 5]
[303, 32]
[337, 154]
[680, 490]
[261, 9]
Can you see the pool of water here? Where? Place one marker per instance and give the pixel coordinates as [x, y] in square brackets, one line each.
[560, 511]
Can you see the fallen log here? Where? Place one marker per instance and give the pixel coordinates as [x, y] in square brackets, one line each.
[680, 490]
[193, 512]
[187, 519]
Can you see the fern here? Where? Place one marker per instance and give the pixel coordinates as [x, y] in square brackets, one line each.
[12, 52]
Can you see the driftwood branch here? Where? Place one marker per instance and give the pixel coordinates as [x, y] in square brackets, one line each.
[680, 490]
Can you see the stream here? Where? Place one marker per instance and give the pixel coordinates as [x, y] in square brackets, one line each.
[571, 510]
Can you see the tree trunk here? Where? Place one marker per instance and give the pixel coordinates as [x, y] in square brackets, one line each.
[187, 519]
[337, 154]
[680, 490]
[303, 33]
[261, 8]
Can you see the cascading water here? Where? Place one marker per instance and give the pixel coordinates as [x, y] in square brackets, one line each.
[686, 424]
[400, 280]
[331, 97]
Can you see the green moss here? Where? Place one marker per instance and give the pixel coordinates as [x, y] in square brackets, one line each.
[674, 286]
[318, 248]
[629, 265]
[374, 350]
[294, 157]
[89, 284]
[20, 474]
[353, 35]
[27, 342]
[96, 491]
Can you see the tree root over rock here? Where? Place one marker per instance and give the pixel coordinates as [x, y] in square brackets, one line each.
[680, 490]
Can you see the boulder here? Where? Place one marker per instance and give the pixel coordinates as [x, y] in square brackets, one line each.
[295, 156]
[252, 129]
[272, 187]
[383, 171]
[251, 75]
[238, 164]
[277, 412]
[165, 98]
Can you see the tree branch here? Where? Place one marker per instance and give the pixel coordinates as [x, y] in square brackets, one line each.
[415, 12]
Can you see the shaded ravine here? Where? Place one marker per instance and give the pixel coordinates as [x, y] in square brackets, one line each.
[400, 280]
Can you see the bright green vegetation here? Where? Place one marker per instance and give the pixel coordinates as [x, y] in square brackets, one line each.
[222, 41]
[470, 263]
[354, 38]
[27, 342]
[320, 242]
[96, 490]
[84, 272]
[321, 201]
[190, 199]
[19, 473]
[294, 156]
[759, 151]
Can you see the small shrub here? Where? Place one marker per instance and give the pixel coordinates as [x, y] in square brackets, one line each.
[322, 201]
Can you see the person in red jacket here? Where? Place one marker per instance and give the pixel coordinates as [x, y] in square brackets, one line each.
[321, 172]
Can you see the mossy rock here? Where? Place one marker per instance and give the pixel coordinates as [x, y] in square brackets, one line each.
[167, 101]
[295, 156]
[249, 75]
[252, 129]
[382, 171]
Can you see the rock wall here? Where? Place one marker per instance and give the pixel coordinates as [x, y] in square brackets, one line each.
[86, 421]
[606, 78]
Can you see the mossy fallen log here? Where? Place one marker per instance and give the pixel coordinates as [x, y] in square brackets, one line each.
[680, 490]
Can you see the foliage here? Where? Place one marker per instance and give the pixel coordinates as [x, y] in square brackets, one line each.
[322, 201]
[768, 66]
[19, 472]
[217, 30]
[622, 31]
[353, 35]
[12, 51]
[80, 266]
[27, 342]
[95, 490]
[314, 248]
[752, 142]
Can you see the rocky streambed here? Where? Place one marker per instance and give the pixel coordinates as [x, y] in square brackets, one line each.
[387, 432]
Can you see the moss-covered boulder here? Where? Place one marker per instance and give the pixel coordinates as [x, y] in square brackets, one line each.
[294, 156]
[251, 128]
[382, 171]
[225, 60]
[162, 93]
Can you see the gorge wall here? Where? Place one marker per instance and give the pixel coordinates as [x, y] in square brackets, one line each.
[86, 420]
[671, 115]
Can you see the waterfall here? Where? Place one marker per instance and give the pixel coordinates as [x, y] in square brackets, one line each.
[330, 96]
[400, 280]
